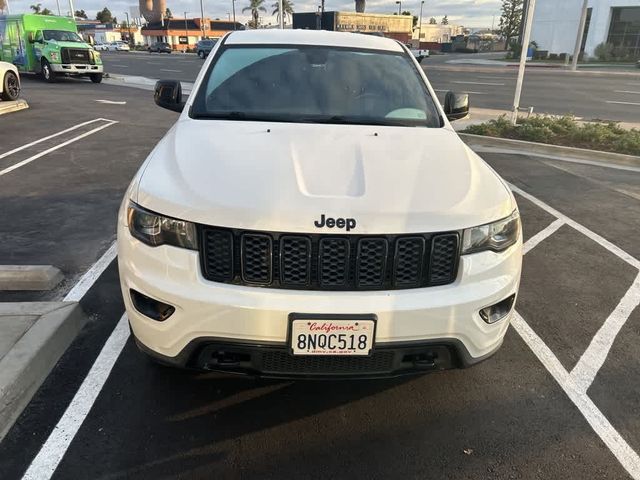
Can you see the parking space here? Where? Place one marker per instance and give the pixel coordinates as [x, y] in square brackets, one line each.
[559, 400]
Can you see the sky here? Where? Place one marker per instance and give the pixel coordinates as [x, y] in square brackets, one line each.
[470, 13]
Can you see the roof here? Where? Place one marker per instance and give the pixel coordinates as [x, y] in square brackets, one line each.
[313, 37]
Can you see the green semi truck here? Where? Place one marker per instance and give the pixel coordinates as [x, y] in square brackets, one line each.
[47, 45]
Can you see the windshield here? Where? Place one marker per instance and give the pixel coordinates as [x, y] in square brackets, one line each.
[315, 84]
[61, 36]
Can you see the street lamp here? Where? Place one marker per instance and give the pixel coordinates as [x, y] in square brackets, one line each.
[399, 3]
[420, 24]
[202, 18]
[186, 32]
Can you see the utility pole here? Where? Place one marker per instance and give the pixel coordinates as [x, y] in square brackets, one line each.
[420, 24]
[186, 32]
[58, 4]
[233, 6]
[128, 27]
[202, 18]
[280, 2]
[583, 22]
[526, 34]
[73, 12]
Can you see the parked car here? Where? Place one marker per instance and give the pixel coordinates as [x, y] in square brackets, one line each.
[204, 47]
[419, 53]
[343, 230]
[101, 47]
[118, 46]
[160, 47]
[9, 81]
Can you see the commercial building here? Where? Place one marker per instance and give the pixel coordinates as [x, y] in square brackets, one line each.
[555, 25]
[392, 26]
[183, 33]
[428, 32]
[97, 32]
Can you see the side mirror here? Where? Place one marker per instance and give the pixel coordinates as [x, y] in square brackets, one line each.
[168, 94]
[31, 39]
[456, 105]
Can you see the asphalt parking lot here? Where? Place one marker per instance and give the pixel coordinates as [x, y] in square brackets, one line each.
[559, 400]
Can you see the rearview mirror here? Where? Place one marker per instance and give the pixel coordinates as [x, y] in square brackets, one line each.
[168, 94]
[456, 105]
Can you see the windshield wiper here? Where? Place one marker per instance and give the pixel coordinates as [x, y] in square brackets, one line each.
[345, 120]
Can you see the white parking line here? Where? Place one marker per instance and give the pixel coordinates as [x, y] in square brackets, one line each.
[89, 278]
[15, 166]
[627, 457]
[169, 70]
[593, 358]
[540, 236]
[479, 83]
[44, 139]
[627, 91]
[119, 66]
[623, 103]
[46, 461]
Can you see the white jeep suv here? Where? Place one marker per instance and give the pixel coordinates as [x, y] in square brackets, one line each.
[313, 214]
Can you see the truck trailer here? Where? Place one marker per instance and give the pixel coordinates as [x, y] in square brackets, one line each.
[49, 46]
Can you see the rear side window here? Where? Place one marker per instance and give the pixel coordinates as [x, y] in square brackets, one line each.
[315, 84]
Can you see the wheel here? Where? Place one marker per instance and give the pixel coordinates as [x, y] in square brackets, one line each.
[201, 54]
[10, 87]
[96, 77]
[48, 74]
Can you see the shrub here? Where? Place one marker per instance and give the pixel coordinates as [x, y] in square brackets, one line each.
[604, 136]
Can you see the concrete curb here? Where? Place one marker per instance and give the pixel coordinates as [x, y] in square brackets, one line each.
[29, 277]
[28, 362]
[595, 157]
[143, 83]
[14, 106]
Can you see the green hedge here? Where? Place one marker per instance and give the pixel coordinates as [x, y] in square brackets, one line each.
[607, 137]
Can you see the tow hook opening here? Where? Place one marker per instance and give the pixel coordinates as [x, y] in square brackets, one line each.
[498, 311]
[149, 307]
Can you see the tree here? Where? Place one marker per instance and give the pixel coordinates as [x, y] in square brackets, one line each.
[46, 11]
[433, 21]
[104, 16]
[37, 8]
[255, 7]
[445, 20]
[510, 19]
[287, 7]
[81, 14]
[168, 14]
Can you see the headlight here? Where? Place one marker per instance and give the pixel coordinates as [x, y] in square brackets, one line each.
[54, 56]
[155, 230]
[496, 236]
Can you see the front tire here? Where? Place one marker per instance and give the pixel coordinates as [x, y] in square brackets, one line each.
[96, 77]
[47, 73]
[10, 87]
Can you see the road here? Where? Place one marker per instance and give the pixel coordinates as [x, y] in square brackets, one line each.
[537, 410]
[607, 97]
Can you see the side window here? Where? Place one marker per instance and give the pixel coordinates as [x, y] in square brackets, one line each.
[38, 38]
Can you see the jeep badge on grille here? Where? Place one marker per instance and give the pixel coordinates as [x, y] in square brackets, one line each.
[346, 223]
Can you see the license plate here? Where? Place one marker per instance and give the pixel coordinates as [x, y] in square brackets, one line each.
[324, 336]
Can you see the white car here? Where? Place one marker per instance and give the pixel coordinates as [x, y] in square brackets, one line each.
[419, 53]
[9, 81]
[312, 213]
[101, 47]
[118, 46]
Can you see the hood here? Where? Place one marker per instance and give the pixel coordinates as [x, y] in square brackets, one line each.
[284, 176]
[69, 44]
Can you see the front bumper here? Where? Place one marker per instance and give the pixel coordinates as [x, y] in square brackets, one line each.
[76, 69]
[209, 313]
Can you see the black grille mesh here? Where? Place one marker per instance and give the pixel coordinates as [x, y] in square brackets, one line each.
[74, 55]
[326, 262]
[282, 362]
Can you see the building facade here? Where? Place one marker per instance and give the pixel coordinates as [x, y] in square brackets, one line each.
[555, 25]
[392, 26]
[437, 33]
[183, 34]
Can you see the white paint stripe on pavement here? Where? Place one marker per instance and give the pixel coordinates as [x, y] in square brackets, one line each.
[627, 91]
[120, 66]
[478, 83]
[89, 278]
[624, 103]
[593, 358]
[617, 251]
[15, 166]
[48, 458]
[540, 236]
[44, 139]
[627, 457]
[169, 70]
[112, 102]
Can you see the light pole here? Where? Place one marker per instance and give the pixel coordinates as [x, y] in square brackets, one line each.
[399, 3]
[526, 34]
[583, 21]
[420, 24]
[281, 21]
[233, 6]
[186, 32]
[228, 16]
[73, 12]
[58, 4]
[202, 18]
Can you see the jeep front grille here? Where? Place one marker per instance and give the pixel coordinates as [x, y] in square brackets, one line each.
[328, 262]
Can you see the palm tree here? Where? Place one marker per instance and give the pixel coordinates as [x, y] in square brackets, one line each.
[287, 8]
[255, 7]
[37, 8]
